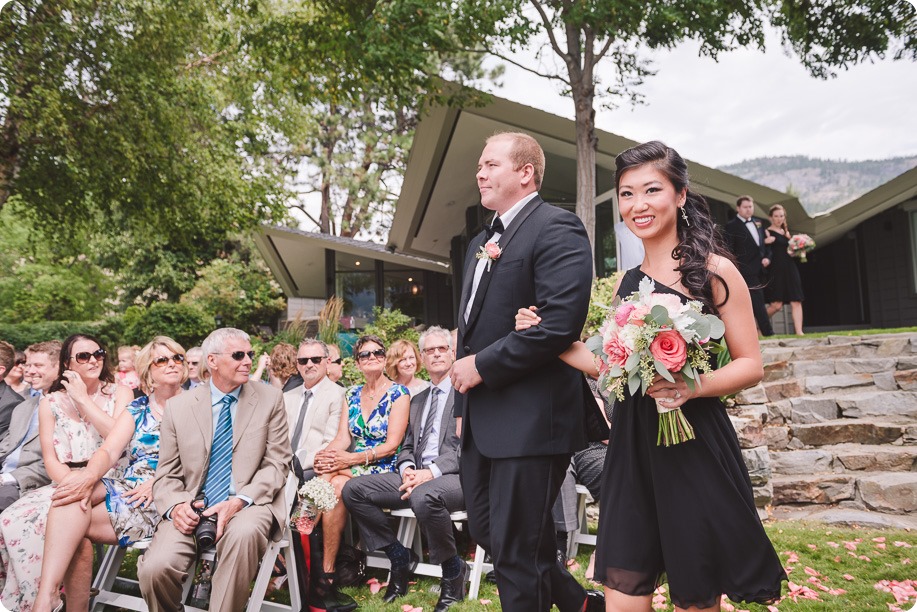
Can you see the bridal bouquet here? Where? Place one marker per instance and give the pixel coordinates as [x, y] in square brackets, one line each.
[651, 333]
[800, 244]
[315, 496]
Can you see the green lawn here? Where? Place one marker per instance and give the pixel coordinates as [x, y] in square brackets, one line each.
[839, 566]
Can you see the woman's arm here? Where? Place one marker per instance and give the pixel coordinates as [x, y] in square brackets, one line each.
[746, 367]
[330, 458]
[394, 436]
[101, 421]
[78, 484]
[55, 468]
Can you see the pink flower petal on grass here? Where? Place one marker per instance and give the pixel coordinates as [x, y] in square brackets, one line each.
[836, 591]
[850, 545]
[880, 546]
[792, 557]
[772, 609]
[878, 540]
[811, 571]
[848, 577]
[906, 561]
[864, 558]
[833, 544]
[902, 544]
[410, 608]
[485, 602]
[812, 546]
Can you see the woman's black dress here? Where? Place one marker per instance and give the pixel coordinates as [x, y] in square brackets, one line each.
[683, 513]
[784, 284]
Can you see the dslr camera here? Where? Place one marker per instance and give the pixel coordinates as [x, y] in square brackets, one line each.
[205, 534]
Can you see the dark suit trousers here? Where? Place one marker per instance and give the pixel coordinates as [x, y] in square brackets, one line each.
[509, 505]
[431, 502]
[760, 310]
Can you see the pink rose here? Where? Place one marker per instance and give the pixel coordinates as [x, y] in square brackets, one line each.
[616, 350]
[493, 250]
[638, 313]
[623, 313]
[670, 349]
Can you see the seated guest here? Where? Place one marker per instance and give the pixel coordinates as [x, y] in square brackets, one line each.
[9, 399]
[427, 482]
[281, 368]
[313, 408]
[79, 411]
[335, 363]
[15, 377]
[401, 363]
[193, 359]
[23, 469]
[314, 415]
[243, 484]
[373, 421]
[127, 514]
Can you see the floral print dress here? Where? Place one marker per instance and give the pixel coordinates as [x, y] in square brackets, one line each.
[369, 433]
[133, 523]
[22, 525]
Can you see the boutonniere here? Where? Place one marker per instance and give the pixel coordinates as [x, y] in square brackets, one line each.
[489, 252]
[758, 224]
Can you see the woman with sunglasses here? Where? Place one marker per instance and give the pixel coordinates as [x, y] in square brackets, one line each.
[373, 421]
[127, 514]
[401, 365]
[73, 420]
[15, 378]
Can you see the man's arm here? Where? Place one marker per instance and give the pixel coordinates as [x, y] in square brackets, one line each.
[169, 488]
[563, 284]
[31, 472]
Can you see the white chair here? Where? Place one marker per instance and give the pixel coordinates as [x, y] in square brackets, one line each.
[581, 535]
[409, 534]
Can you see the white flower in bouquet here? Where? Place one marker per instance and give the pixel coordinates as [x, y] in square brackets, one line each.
[320, 493]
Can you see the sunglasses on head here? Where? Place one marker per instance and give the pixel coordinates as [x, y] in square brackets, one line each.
[239, 355]
[162, 361]
[83, 357]
[379, 353]
[304, 360]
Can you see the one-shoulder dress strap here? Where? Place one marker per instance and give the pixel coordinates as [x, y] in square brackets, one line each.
[630, 282]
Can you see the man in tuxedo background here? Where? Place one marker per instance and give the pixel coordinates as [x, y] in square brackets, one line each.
[748, 241]
[228, 439]
[522, 406]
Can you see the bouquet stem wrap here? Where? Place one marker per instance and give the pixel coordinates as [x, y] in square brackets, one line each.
[314, 497]
[673, 426]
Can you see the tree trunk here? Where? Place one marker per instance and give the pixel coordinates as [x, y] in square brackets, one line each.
[586, 143]
[9, 156]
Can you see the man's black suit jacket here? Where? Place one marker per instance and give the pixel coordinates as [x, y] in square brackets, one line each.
[748, 254]
[530, 402]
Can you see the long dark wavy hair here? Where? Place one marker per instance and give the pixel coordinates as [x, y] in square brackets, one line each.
[695, 241]
[105, 376]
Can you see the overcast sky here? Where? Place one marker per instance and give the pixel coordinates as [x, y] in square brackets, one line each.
[752, 104]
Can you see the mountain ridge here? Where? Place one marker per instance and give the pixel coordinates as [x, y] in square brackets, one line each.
[820, 184]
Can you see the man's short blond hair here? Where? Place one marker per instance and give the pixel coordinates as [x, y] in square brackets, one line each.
[525, 150]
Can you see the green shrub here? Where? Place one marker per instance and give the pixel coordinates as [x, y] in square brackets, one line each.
[602, 296]
[185, 323]
[391, 325]
[110, 331]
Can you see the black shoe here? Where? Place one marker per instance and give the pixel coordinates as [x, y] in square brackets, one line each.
[451, 591]
[491, 577]
[325, 595]
[595, 601]
[398, 580]
[562, 559]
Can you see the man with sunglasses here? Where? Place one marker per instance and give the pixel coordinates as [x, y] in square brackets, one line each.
[335, 364]
[9, 399]
[229, 441]
[22, 467]
[193, 357]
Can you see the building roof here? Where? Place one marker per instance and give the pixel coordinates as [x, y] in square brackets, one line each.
[297, 257]
[439, 182]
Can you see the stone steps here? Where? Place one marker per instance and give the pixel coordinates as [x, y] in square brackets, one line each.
[832, 427]
[887, 492]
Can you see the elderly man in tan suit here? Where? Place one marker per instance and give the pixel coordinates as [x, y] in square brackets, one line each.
[228, 439]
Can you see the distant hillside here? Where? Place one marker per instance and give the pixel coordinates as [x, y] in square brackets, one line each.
[821, 184]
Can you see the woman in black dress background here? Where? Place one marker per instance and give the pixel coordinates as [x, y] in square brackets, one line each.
[683, 514]
[784, 285]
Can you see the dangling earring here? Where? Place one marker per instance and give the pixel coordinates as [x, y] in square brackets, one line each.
[684, 215]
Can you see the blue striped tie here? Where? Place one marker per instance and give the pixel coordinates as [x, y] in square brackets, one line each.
[219, 473]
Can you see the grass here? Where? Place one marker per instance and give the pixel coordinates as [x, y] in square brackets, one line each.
[846, 332]
[814, 553]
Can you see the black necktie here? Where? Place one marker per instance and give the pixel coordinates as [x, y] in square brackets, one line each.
[496, 228]
[297, 431]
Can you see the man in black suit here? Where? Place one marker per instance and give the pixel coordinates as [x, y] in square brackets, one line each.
[522, 406]
[9, 399]
[748, 241]
[427, 482]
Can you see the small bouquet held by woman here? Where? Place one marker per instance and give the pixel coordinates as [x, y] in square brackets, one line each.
[799, 245]
[313, 498]
[651, 333]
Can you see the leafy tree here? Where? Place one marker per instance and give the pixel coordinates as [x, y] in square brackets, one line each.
[242, 294]
[187, 324]
[826, 35]
[345, 132]
[133, 123]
